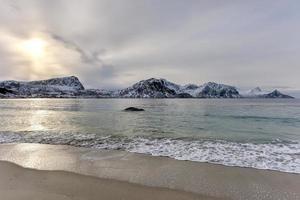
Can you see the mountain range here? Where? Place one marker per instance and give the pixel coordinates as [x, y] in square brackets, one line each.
[71, 87]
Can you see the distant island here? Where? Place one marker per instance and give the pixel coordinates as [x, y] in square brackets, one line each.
[71, 87]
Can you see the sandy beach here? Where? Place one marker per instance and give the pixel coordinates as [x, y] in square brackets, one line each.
[19, 183]
[35, 171]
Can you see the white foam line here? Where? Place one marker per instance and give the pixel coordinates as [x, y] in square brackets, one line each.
[280, 156]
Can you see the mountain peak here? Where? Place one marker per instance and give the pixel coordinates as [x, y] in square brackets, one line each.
[254, 92]
[256, 89]
[151, 88]
[216, 90]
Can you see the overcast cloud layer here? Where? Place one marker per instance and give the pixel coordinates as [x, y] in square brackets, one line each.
[113, 43]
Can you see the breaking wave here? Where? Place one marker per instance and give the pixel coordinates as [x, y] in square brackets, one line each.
[277, 155]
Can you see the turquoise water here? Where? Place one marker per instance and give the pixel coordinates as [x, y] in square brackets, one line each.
[259, 133]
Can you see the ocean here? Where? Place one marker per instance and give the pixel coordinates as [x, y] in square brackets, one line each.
[256, 133]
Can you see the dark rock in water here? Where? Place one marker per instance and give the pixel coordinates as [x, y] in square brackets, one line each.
[133, 109]
[184, 95]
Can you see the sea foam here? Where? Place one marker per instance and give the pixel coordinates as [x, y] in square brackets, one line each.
[277, 155]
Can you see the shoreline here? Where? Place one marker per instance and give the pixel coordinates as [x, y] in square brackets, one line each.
[204, 179]
[148, 155]
[215, 151]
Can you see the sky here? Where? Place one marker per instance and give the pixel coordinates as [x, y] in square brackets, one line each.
[113, 44]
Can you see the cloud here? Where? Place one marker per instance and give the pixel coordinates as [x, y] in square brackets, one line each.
[85, 56]
[92, 66]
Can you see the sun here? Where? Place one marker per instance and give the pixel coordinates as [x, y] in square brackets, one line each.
[34, 47]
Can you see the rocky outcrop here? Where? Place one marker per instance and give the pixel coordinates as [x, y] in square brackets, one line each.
[134, 109]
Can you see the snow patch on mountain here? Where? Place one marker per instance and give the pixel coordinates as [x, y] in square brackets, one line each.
[71, 87]
[191, 89]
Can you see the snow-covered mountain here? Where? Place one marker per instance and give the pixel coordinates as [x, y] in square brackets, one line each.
[56, 87]
[259, 93]
[71, 87]
[191, 89]
[276, 94]
[65, 83]
[255, 92]
[151, 88]
[215, 90]
[161, 88]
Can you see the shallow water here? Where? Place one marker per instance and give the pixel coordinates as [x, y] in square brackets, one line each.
[259, 133]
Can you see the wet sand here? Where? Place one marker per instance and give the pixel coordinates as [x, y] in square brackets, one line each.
[88, 174]
[18, 183]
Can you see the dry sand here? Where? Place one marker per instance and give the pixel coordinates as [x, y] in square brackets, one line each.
[123, 175]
